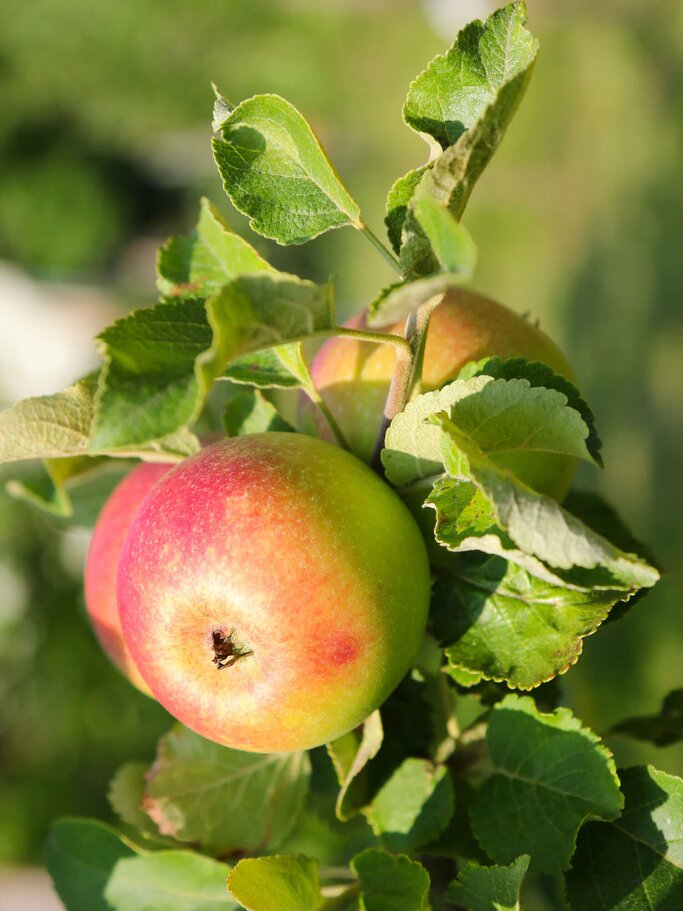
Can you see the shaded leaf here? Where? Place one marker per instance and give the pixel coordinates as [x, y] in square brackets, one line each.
[199, 263]
[413, 807]
[285, 882]
[634, 863]
[489, 888]
[275, 171]
[255, 312]
[395, 302]
[161, 362]
[283, 367]
[597, 513]
[52, 493]
[250, 412]
[81, 855]
[126, 795]
[501, 622]
[390, 883]
[662, 729]
[457, 840]
[226, 800]
[450, 241]
[148, 388]
[538, 526]
[550, 775]
[397, 204]
[350, 754]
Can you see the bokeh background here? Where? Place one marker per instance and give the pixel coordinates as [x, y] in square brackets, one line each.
[104, 151]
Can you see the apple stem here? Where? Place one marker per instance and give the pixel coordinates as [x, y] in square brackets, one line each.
[386, 254]
[406, 377]
[226, 651]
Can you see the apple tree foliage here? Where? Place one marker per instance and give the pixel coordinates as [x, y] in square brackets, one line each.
[469, 787]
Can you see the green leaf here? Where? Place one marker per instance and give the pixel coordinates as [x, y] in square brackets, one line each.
[198, 264]
[550, 775]
[350, 754]
[457, 88]
[168, 881]
[286, 882]
[538, 374]
[397, 204]
[457, 840]
[451, 242]
[275, 171]
[53, 493]
[413, 807]
[489, 888]
[395, 302]
[126, 796]
[59, 427]
[467, 520]
[161, 362]
[538, 526]
[662, 729]
[390, 883]
[636, 862]
[499, 416]
[283, 367]
[81, 855]
[225, 800]
[597, 513]
[514, 416]
[462, 105]
[451, 178]
[499, 621]
[49, 426]
[255, 312]
[148, 388]
[520, 615]
[250, 412]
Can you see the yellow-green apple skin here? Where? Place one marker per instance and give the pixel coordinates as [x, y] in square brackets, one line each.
[353, 377]
[299, 556]
[103, 560]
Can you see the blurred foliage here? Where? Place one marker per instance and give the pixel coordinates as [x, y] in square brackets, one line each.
[104, 139]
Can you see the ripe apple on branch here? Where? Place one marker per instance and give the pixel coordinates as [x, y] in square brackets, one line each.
[274, 591]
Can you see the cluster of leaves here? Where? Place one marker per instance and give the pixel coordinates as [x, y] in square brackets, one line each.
[518, 790]
[451, 773]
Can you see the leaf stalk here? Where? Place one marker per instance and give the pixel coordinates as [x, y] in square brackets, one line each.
[386, 254]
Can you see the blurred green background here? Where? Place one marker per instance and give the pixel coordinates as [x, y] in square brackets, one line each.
[104, 150]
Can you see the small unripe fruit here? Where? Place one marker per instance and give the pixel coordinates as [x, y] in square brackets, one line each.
[103, 560]
[353, 377]
[273, 591]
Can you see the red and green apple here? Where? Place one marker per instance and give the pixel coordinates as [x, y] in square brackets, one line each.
[103, 560]
[273, 590]
[353, 377]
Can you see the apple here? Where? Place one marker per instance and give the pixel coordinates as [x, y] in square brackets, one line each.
[103, 560]
[353, 377]
[273, 590]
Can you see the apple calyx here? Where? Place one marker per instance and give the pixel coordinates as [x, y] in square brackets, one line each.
[227, 650]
